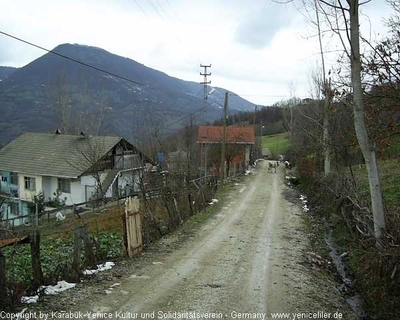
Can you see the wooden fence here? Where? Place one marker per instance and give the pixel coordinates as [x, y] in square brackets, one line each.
[132, 225]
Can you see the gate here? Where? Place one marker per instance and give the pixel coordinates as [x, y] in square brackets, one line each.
[132, 227]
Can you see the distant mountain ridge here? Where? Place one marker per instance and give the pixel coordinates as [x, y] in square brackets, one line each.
[5, 72]
[31, 96]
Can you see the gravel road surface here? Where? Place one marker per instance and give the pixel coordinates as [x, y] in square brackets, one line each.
[245, 262]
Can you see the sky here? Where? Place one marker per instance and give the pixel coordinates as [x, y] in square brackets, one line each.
[259, 49]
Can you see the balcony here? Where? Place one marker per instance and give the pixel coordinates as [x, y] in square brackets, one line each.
[9, 190]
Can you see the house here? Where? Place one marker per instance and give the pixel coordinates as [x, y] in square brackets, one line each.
[266, 153]
[69, 169]
[237, 148]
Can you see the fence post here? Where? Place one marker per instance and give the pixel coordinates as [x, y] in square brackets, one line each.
[36, 265]
[37, 272]
[81, 233]
[124, 229]
[90, 259]
[75, 270]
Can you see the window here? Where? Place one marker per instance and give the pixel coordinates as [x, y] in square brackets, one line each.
[14, 208]
[14, 178]
[30, 183]
[64, 185]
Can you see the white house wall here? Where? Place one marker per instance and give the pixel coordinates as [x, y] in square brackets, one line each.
[28, 194]
[50, 187]
[77, 194]
[90, 181]
[88, 184]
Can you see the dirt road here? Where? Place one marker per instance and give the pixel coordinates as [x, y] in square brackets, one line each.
[245, 261]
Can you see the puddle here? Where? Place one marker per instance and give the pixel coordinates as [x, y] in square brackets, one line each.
[347, 287]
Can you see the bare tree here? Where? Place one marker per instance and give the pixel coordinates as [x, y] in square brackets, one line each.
[348, 16]
[328, 97]
[89, 157]
[288, 109]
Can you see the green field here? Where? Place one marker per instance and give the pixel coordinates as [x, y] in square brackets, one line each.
[277, 143]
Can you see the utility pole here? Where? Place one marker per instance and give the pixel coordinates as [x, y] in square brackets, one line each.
[224, 138]
[205, 83]
[254, 149]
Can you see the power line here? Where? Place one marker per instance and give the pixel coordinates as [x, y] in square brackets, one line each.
[72, 59]
[162, 9]
[174, 11]
[104, 71]
[140, 7]
[163, 12]
[155, 9]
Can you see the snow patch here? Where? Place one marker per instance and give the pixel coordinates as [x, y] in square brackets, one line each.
[49, 290]
[213, 201]
[304, 200]
[32, 299]
[100, 267]
[59, 287]
[134, 276]
[115, 285]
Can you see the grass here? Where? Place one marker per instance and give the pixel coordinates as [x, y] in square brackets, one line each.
[389, 173]
[277, 143]
[372, 268]
[207, 213]
[105, 228]
[55, 252]
[57, 242]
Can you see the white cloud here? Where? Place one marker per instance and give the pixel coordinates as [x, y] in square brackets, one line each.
[256, 47]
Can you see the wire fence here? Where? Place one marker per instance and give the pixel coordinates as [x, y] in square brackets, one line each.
[61, 249]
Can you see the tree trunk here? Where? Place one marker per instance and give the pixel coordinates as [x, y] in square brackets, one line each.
[327, 87]
[327, 147]
[36, 265]
[360, 125]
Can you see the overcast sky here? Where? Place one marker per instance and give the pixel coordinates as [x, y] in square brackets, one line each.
[256, 47]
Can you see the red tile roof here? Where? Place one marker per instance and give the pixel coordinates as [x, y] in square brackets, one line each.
[213, 134]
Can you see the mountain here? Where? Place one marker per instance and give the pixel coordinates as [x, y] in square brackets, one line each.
[5, 72]
[39, 95]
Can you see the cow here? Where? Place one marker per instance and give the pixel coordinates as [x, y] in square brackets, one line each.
[272, 166]
[288, 165]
